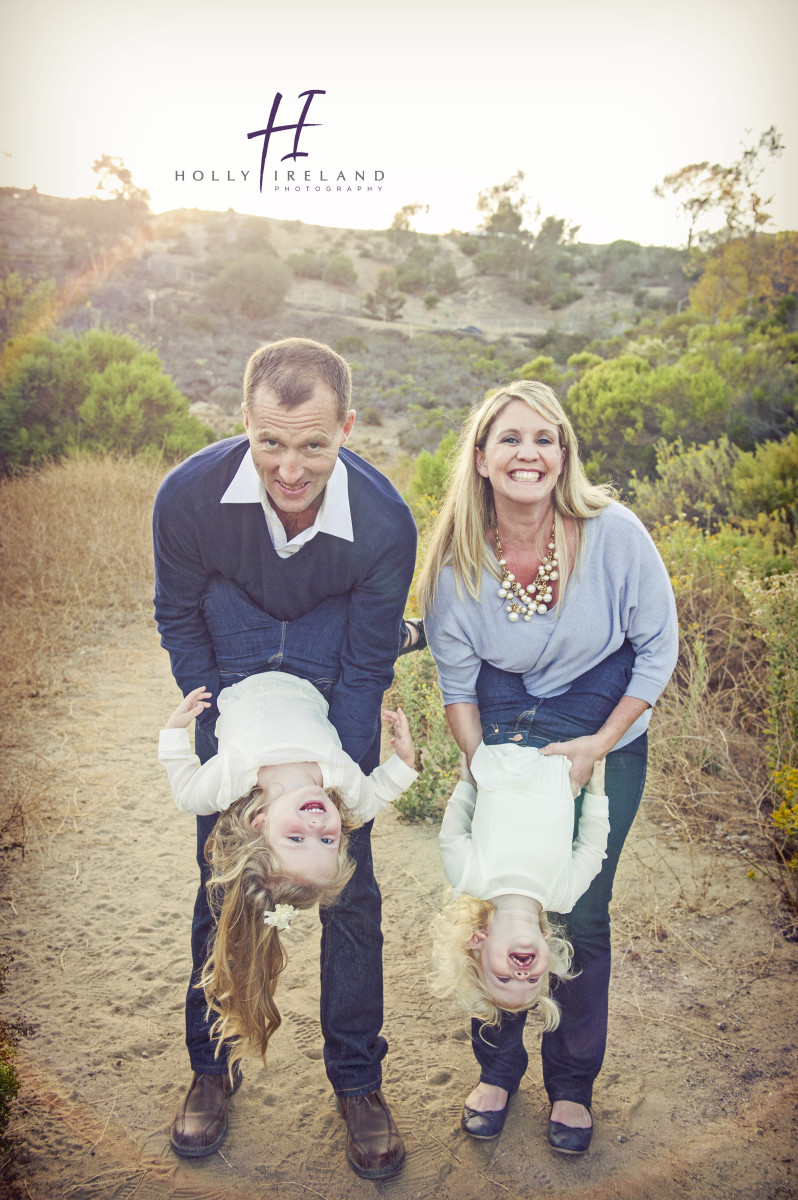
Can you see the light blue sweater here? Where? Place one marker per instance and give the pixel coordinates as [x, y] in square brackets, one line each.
[619, 589]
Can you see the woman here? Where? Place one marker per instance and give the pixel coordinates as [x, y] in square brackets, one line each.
[552, 621]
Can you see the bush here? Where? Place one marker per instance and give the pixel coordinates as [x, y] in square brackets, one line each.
[307, 264]
[693, 481]
[100, 390]
[340, 271]
[416, 691]
[254, 285]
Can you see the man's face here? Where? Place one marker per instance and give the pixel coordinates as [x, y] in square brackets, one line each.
[295, 449]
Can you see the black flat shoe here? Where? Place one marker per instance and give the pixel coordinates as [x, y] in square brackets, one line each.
[483, 1125]
[420, 641]
[567, 1139]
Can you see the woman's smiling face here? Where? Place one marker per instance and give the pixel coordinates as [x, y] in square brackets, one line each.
[522, 457]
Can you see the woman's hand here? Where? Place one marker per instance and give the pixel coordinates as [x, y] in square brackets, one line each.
[583, 753]
[401, 741]
[189, 708]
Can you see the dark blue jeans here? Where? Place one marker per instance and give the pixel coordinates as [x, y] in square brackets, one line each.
[573, 1053]
[247, 640]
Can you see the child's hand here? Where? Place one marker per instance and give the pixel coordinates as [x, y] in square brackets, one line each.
[189, 708]
[401, 740]
[595, 784]
[465, 770]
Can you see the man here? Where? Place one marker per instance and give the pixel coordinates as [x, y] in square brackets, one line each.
[293, 517]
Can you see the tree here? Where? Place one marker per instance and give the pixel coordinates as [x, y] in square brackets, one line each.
[748, 275]
[504, 206]
[733, 189]
[118, 180]
[386, 302]
[403, 220]
[697, 187]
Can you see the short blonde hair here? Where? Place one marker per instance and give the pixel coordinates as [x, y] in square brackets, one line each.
[457, 971]
[458, 536]
[246, 956]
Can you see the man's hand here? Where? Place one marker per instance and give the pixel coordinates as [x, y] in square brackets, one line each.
[193, 704]
[401, 741]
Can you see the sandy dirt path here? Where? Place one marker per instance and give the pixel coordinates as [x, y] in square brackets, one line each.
[697, 1097]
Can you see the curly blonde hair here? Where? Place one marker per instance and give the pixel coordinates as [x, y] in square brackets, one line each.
[246, 956]
[457, 970]
[467, 511]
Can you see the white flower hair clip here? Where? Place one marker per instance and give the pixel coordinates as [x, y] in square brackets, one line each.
[281, 917]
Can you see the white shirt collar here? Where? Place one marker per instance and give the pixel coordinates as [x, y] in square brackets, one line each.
[334, 517]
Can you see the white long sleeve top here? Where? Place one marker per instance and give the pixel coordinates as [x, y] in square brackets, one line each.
[513, 833]
[268, 719]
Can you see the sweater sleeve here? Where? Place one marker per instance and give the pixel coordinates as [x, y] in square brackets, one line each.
[198, 789]
[455, 835]
[452, 644]
[376, 605]
[652, 624]
[180, 579]
[365, 795]
[590, 847]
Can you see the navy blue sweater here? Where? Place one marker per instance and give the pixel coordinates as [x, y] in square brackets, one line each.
[195, 537]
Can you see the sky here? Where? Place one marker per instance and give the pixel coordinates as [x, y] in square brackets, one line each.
[431, 103]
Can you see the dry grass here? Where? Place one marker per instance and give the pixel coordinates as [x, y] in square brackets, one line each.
[76, 553]
[76, 561]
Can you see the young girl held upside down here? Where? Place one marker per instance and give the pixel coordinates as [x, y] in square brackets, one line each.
[287, 794]
[509, 853]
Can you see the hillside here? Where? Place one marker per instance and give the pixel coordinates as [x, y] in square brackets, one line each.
[151, 280]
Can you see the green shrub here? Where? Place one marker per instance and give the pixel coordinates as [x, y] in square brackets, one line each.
[306, 263]
[693, 481]
[340, 270]
[351, 346]
[100, 390]
[254, 285]
[416, 691]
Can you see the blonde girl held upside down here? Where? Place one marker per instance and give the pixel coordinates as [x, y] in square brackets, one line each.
[509, 853]
[287, 794]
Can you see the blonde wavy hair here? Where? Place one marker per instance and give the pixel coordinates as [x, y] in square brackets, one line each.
[468, 511]
[246, 956]
[457, 971]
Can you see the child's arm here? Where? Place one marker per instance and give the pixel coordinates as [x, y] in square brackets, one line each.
[365, 795]
[589, 848]
[401, 741]
[201, 789]
[455, 834]
[189, 707]
[595, 784]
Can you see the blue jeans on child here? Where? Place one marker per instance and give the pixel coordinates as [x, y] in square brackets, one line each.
[573, 1053]
[246, 641]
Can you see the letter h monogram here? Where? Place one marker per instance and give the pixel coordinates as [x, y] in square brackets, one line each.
[272, 128]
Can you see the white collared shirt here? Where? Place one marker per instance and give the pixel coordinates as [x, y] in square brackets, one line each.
[334, 516]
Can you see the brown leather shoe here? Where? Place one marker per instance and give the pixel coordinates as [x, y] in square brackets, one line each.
[201, 1123]
[374, 1147]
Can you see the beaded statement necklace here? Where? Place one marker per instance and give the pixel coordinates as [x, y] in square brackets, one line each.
[524, 602]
